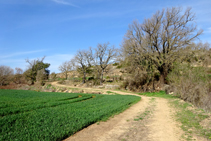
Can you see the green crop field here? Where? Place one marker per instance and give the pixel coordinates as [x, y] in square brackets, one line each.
[30, 115]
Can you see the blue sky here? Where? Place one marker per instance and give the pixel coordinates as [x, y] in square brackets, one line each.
[58, 28]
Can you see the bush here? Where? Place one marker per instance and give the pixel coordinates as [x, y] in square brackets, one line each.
[119, 67]
[96, 82]
[91, 78]
[41, 76]
[115, 64]
[53, 76]
[191, 84]
[19, 79]
[137, 82]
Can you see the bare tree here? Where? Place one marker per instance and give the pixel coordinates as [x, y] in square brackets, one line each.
[84, 60]
[18, 70]
[160, 39]
[65, 68]
[18, 77]
[5, 75]
[105, 54]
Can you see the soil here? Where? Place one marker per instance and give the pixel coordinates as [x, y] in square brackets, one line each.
[160, 125]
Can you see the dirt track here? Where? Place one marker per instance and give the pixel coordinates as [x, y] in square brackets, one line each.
[157, 126]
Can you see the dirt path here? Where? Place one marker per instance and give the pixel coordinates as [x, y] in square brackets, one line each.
[156, 123]
[162, 125]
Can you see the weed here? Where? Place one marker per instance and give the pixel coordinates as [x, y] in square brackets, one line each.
[157, 94]
[148, 111]
[190, 119]
[109, 92]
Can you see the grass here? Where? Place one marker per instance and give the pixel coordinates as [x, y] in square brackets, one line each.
[110, 92]
[30, 115]
[191, 119]
[148, 111]
[161, 94]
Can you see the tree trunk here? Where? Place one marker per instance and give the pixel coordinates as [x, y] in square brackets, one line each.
[66, 75]
[101, 81]
[84, 79]
[163, 74]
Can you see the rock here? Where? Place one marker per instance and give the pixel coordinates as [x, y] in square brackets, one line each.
[168, 89]
[101, 87]
[112, 86]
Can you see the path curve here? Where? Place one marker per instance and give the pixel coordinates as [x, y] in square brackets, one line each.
[161, 126]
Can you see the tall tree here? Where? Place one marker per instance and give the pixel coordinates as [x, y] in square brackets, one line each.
[105, 54]
[161, 38]
[84, 60]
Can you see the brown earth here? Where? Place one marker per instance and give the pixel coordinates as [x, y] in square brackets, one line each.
[159, 125]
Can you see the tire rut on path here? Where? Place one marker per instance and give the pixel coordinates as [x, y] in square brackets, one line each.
[160, 126]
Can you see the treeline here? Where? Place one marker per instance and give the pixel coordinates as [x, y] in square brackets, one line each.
[159, 52]
[37, 72]
[93, 62]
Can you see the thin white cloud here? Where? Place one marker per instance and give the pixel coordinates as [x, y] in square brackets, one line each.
[20, 53]
[65, 3]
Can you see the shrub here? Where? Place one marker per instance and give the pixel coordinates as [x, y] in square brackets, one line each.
[53, 76]
[91, 78]
[62, 82]
[19, 79]
[107, 77]
[119, 67]
[41, 76]
[96, 82]
[191, 84]
[115, 64]
[136, 82]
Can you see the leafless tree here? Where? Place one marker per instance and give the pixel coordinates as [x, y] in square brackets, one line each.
[65, 68]
[18, 77]
[105, 54]
[5, 75]
[18, 70]
[84, 60]
[160, 39]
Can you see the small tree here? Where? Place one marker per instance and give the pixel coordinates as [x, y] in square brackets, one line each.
[105, 54]
[34, 66]
[65, 68]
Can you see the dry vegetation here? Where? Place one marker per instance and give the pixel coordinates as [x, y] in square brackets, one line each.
[159, 53]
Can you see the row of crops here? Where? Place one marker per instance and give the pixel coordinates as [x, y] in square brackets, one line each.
[30, 115]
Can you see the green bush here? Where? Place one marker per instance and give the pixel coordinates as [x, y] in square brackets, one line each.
[119, 67]
[115, 64]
